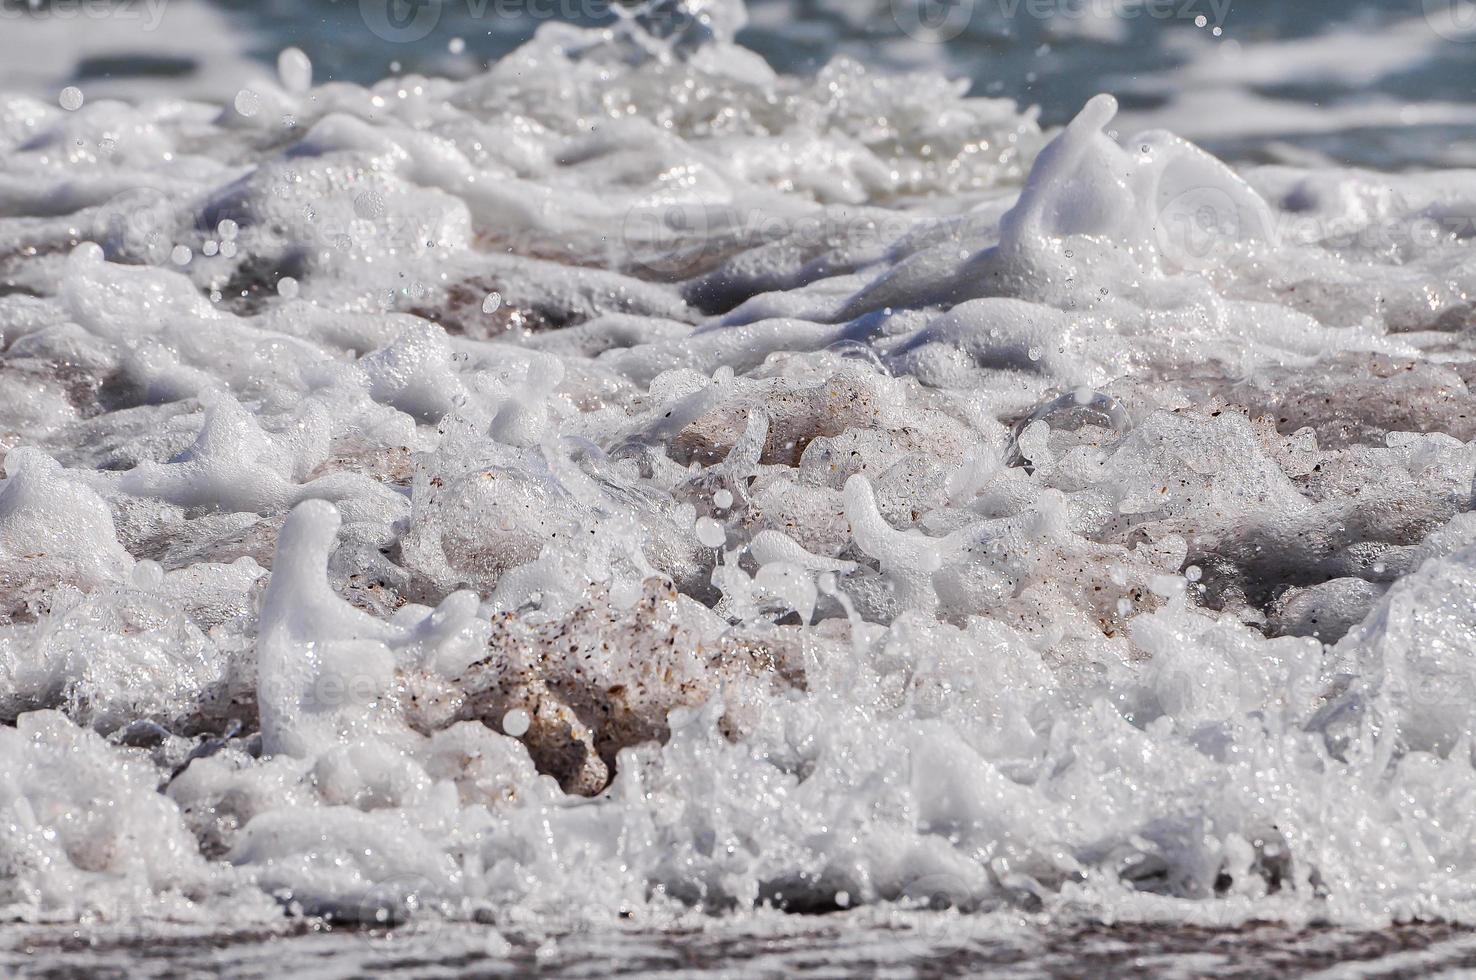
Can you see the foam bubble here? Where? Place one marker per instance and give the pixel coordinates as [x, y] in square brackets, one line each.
[710, 533]
[295, 71]
[516, 723]
[247, 103]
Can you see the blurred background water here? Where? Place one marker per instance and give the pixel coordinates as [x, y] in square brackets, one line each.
[1387, 83]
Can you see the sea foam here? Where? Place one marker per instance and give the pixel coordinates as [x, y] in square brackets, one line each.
[854, 496]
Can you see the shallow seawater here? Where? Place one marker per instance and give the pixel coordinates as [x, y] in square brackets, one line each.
[899, 947]
[701, 489]
[1382, 83]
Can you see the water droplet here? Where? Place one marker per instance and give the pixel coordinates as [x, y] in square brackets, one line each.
[1034, 353]
[210, 248]
[1193, 573]
[456, 45]
[181, 255]
[369, 205]
[492, 303]
[723, 499]
[710, 533]
[71, 98]
[287, 287]
[227, 230]
[295, 70]
[88, 252]
[516, 723]
[147, 575]
[247, 102]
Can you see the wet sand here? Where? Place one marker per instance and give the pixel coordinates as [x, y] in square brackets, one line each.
[809, 948]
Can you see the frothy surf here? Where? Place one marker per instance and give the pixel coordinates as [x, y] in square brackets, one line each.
[630, 481]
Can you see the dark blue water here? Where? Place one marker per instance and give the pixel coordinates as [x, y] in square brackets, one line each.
[1053, 54]
[1037, 52]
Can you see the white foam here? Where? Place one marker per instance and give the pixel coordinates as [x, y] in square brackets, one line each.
[813, 512]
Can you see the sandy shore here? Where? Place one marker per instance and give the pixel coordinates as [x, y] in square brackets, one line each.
[918, 946]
